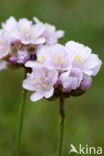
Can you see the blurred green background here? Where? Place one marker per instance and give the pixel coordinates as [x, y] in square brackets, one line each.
[83, 21]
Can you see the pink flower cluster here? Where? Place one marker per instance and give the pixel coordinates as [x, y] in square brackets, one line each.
[19, 40]
[55, 68]
[58, 68]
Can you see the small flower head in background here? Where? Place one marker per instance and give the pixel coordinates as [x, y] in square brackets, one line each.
[19, 40]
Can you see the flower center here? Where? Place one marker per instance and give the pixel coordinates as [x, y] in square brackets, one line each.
[78, 60]
[46, 86]
[2, 44]
[42, 85]
[28, 33]
[59, 60]
[50, 27]
[41, 59]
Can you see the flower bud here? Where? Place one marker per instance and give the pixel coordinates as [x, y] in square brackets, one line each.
[86, 83]
[13, 60]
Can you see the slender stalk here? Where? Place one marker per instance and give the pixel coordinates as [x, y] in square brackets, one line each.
[20, 123]
[62, 125]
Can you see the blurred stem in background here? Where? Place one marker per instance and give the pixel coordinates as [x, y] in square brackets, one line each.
[20, 122]
[62, 125]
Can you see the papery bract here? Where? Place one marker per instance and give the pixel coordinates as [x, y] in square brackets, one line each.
[23, 56]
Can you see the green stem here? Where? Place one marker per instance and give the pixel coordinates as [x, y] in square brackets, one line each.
[62, 126]
[20, 123]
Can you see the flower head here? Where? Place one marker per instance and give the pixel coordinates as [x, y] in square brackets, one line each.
[21, 40]
[74, 73]
[55, 68]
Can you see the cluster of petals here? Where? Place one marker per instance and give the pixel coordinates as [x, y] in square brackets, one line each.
[54, 67]
[19, 40]
[57, 67]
